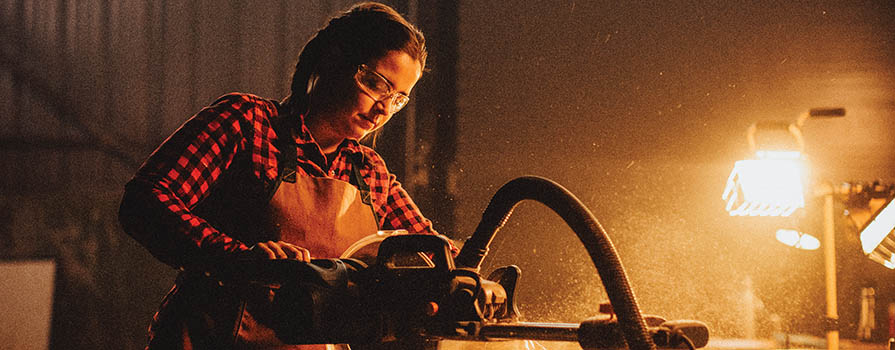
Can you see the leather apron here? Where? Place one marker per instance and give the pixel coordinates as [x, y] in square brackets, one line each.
[323, 215]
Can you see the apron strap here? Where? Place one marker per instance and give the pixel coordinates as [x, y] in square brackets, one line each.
[287, 158]
[357, 162]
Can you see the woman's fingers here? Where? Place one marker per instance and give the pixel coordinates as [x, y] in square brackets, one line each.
[305, 255]
[296, 252]
[265, 251]
[282, 250]
[277, 249]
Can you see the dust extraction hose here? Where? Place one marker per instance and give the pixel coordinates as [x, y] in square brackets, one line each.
[589, 231]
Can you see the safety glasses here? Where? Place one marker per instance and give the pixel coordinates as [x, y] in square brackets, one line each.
[378, 88]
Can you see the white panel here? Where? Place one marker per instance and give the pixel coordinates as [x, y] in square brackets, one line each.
[26, 298]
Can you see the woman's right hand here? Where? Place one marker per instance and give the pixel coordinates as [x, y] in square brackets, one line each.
[279, 250]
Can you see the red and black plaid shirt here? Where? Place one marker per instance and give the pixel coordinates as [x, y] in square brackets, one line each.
[156, 209]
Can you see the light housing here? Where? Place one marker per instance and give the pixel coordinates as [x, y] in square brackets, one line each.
[769, 185]
[878, 236]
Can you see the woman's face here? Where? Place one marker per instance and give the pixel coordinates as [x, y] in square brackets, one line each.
[353, 111]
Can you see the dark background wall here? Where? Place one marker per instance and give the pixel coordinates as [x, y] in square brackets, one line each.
[639, 109]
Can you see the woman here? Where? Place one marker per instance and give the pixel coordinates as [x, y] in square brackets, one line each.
[250, 177]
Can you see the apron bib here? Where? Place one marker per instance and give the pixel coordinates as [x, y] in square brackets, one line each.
[324, 215]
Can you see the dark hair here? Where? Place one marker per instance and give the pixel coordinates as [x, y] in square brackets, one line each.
[364, 32]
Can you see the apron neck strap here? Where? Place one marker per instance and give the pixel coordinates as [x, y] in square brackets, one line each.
[357, 162]
[287, 159]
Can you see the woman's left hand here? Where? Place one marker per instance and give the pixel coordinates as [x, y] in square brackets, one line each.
[273, 250]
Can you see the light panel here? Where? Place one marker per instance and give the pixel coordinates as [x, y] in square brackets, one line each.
[770, 185]
[878, 238]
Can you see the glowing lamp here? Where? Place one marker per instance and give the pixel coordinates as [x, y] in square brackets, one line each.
[797, 239]
[878, 238]
[770, 185]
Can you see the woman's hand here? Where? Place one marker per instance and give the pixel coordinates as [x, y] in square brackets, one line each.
[280, 250]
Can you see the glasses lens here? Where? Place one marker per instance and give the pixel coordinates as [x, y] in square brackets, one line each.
[399, 102]
[373, 82]
[379, 88]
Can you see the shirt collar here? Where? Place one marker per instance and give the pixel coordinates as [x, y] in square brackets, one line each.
[304, 137]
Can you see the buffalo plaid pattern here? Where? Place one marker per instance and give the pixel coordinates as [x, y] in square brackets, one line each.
[236, 131]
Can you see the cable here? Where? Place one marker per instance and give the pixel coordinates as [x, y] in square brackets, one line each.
[589, 231]
[685, 339]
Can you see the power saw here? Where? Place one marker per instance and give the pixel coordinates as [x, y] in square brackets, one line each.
[416, 293]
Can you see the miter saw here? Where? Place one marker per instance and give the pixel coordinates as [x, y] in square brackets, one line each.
[415, 293]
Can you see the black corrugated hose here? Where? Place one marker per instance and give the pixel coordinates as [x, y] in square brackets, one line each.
[589, 231]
